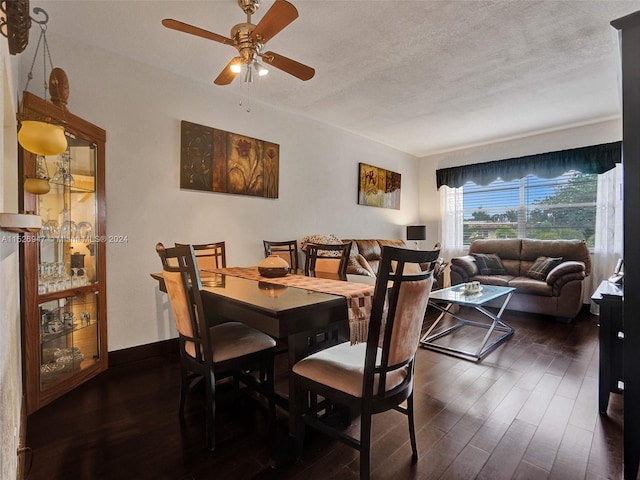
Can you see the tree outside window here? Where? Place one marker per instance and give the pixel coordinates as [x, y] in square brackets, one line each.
[559, 208]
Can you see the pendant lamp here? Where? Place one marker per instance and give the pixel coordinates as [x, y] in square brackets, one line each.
[40, 135]
[39, 184]
[42, 138]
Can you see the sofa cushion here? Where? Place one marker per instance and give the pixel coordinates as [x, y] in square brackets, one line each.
[532, 287]
[499, 280]
[358, 265]
[371, 251]
[575, 250]
[489, 264]
[542, 266]
[507, 249]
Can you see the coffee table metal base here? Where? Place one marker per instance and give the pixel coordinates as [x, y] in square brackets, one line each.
[428, 340]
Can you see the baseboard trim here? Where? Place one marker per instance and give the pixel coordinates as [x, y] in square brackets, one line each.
[118, 358]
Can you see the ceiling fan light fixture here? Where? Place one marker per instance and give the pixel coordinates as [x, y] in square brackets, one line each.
[236, 65]
[262, 71]
[249, 40]
[248, 76]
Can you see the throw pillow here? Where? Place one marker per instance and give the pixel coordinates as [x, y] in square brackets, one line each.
[542, 266]
[489, 264]
[330, 239]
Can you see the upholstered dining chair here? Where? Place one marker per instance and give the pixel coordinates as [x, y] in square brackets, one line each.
[287, 250]
[224, 350]
[327, 261]
[375, 376]
[209, 255]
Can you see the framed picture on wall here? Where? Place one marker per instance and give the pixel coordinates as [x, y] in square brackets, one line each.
[217, 161]
[378, 187]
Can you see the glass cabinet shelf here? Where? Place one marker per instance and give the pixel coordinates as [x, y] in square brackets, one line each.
[69, 338]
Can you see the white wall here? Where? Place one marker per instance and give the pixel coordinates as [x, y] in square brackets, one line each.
[593, 134]
[141, 108]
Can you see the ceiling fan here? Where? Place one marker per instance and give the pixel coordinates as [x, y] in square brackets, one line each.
[249, 40]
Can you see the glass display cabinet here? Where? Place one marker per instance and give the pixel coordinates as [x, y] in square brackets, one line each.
[63, 265]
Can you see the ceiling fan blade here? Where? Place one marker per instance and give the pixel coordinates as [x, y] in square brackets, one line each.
[285, 64]
[226, 76]
[281, 14]
[199, 32]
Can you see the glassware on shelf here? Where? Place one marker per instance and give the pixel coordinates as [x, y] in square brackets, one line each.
[68, 320]
[68, 230]
[84, 231]
[63, 173]
[52, 277]
[49, 227]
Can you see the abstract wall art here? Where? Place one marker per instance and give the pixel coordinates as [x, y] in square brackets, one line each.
[378, 187]
[214, 160]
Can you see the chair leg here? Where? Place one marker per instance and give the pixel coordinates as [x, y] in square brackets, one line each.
[365, 445]
[412, 429]
[269, 379]
[184, 386]
[210, 399]
[298, 405]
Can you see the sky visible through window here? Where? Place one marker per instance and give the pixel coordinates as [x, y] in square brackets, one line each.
[531, 207]
[500, 196]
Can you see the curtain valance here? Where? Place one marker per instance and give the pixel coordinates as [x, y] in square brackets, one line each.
[593, 159]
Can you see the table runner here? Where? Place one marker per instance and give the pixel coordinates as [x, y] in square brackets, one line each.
[359, 295]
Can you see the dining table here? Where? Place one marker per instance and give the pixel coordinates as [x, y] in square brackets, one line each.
[306, 313]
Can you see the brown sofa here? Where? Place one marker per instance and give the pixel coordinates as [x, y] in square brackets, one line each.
[366, 255]
[560, 294]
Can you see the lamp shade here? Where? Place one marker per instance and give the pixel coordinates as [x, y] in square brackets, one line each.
[416, 232]
[42, 138]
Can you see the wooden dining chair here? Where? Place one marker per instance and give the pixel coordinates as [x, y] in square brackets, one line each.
[375, 376]
[287, 250]
[327, 261]
[209, 255]
[212, 352]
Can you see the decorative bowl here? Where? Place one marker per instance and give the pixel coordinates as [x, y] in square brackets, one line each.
[273, 266]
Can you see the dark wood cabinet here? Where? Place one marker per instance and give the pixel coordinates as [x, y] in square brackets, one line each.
[629, 33]
[608, 296]
[63, 268]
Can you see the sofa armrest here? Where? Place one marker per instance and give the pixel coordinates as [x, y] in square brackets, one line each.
[462, 268]
[565, 272]
[468, 263]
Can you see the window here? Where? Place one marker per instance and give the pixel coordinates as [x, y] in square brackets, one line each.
[563, 207]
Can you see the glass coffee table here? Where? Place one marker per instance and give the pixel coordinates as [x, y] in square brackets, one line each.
[457, 296]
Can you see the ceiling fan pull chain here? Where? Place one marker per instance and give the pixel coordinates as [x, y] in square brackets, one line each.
[248, 84]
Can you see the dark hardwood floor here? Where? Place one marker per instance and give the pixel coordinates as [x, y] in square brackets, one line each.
[527, 411]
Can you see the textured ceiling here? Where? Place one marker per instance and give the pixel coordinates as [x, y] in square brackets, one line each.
[421, 76]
